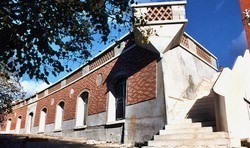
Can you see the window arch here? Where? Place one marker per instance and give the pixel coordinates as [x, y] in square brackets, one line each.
[117, 99]
[8, 125]
[30, 122]
[59, 115]
[82, 108]
[18, 124]
[42, 121]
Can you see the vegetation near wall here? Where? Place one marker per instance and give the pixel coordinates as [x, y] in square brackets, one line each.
[39, 38]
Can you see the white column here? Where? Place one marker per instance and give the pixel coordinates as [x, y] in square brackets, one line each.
[80, 112]
[18, 124]
[29, 124]
[42, 121]
[59, 116]
[111, 108]
[8, 126]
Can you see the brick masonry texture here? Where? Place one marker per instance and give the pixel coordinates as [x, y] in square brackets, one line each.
[200, 51]
[14, 115]
[55, 87]
[76, 75]
[41, 94]
[203, 54]
[105, 57]
[184, 40]
[139, 65]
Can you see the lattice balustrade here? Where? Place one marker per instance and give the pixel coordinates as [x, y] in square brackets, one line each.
[184, 41]
[203, 54]
[159, 13]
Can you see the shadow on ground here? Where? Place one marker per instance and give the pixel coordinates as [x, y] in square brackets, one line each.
[17, 141]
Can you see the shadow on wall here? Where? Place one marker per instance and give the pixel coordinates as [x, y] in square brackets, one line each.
[203, 111]
[136, 68]
[129, 64]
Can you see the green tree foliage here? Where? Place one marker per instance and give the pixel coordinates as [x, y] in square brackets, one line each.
[30, 29]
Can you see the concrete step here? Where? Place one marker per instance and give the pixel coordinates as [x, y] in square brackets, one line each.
[182, 121]
[180, 126]
[202, 109]
[201, 116]
[199, 109]
[187, 130]
[209, 123]
[190, 121]
[203, 119]
[205, 99]
[203, 103]
[192, 136]
[197, 142]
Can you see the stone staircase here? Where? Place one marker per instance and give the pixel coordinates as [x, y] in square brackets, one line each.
[201, 103]
[186, 134]
[203, 110]
[197, 130]
[194, 124]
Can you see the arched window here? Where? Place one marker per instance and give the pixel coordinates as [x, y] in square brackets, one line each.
[18, 124]
[82, 109]
[59, 116]
[117, 101]
[30, 122]
[8, 125]
[42, 121]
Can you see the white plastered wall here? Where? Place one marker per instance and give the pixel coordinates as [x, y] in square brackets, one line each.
[184, 76]
[232, 112]
[159, 35]
[182, 71]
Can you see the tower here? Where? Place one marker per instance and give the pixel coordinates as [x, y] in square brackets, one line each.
[245, 8]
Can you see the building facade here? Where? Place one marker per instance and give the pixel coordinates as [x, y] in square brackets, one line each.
[156, 76]
[245, 8]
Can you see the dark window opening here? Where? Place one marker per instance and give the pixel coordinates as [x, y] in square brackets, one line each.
[85, 96]
[120, 95]
[61, 104]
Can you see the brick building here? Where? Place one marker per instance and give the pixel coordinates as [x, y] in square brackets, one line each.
[245, 7]
[155, 76]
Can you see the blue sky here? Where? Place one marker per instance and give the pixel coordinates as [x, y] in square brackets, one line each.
[216, 24]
